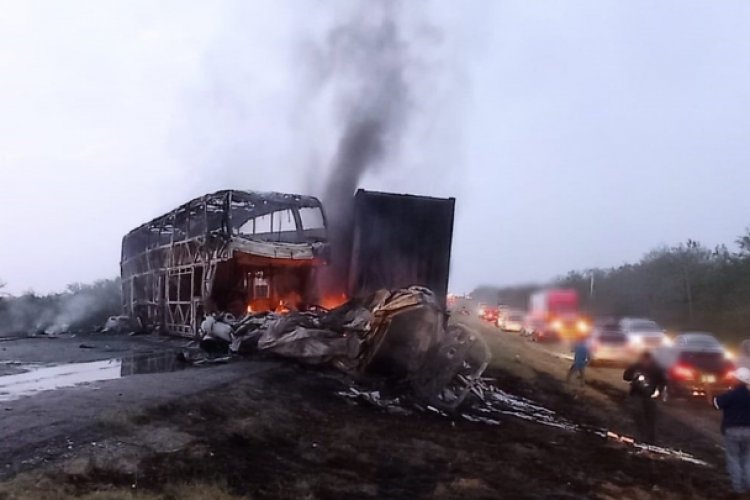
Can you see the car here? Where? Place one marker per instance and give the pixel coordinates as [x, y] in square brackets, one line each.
[512, 321]
[644, 334]
[609, 344]
[697, 364]
[489, 314]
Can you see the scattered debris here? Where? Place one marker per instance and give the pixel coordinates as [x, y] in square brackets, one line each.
[491, 404]
[121, 324]
[400, 336]
[391, 405]
[657, 451]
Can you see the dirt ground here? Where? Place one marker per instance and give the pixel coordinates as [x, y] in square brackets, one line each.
[268, 429]
[692, 426]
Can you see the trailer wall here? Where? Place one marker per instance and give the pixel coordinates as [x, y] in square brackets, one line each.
[400, 240]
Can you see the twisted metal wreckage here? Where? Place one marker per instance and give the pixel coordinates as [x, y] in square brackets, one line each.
[240, 267]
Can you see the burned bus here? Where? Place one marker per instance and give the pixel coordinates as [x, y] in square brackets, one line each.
[230, 251]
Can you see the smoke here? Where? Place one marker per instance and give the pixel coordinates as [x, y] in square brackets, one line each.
[321, 102]
[80, 307]
[318, 101]
[365, 64]
[368, 56]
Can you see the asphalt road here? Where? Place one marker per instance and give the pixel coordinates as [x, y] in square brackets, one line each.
[54, 393]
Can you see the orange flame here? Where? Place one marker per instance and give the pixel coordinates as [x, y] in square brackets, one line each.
[333, 301]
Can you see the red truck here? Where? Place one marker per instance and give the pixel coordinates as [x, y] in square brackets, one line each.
[554, 315]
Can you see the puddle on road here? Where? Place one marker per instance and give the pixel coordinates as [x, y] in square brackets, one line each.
[45, 378]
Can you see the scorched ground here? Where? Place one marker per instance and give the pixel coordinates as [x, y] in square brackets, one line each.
[264, 429]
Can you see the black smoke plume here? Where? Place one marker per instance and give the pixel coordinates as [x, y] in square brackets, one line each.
[367, 57]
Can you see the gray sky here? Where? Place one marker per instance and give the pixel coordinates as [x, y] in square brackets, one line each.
[573, 134]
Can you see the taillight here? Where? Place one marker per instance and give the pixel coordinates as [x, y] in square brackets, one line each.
[729, 375]
[683, 372]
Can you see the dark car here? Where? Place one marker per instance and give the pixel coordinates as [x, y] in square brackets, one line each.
[695, 365]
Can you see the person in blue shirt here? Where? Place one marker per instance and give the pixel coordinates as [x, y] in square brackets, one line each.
[581, 357]
[735, 425]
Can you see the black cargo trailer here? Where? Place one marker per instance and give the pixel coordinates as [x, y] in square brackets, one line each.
[400, 240]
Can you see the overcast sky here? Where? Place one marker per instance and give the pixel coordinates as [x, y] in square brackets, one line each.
[573, 134]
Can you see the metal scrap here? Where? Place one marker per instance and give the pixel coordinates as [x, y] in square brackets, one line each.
[399, 336]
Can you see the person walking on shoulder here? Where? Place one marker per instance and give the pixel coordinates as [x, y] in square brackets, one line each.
[647, 383]
[735, 425]
[581, 358]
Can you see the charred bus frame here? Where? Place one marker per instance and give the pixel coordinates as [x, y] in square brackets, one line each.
[229, 251]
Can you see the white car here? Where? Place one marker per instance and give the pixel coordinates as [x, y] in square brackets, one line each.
[608, 344]
[512, 322]
[644, 334]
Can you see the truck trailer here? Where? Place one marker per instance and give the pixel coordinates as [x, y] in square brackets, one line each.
[400, 240]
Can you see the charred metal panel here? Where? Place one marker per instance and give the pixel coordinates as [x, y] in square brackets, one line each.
[215, 252]
[399, 241]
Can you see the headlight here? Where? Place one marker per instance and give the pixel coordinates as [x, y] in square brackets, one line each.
[583, 326]
[728, 354]
[557, 325]
[636, 341]
[666, 341]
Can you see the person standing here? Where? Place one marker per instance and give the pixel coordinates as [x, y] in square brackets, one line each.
[647, 383]
[735, 425]
[581, 357]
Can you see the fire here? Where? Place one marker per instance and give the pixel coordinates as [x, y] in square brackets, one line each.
[333, 301]
[291, 302]
[282, 308]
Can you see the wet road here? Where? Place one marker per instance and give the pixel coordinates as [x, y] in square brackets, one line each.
[50, 408]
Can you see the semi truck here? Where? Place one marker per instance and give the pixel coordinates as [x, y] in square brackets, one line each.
[554, 314]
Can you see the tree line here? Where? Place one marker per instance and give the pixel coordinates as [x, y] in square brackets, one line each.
[684, 287]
